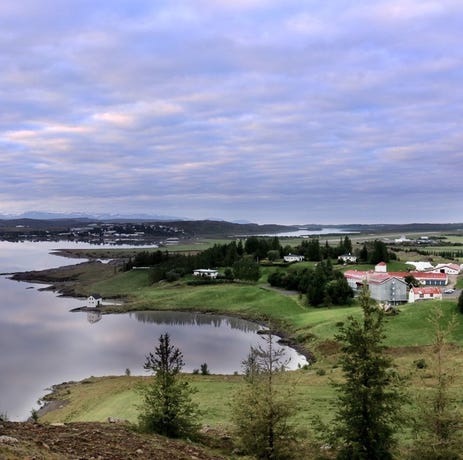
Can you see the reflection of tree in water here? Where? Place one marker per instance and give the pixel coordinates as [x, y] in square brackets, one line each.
[179, 318]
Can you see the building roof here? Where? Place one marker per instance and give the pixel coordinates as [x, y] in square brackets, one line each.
[452, 266]
[426, 290]
[383, 277]
[429, 275]
[372, 276]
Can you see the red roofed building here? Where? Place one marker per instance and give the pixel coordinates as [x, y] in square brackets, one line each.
[424, 293]
[391, 286]
[431, 279]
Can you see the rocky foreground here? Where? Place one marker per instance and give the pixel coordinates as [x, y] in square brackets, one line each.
[86, 441]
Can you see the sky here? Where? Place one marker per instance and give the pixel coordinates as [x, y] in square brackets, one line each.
[271, 111]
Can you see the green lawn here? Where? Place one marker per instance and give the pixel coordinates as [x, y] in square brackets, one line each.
[96, 399]
[259, 302]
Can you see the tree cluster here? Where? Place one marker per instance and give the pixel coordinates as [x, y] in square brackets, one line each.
[260, 247]
[322, 285]
[172, 266]
[313, 251]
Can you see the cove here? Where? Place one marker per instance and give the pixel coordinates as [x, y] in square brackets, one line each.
[42, 343]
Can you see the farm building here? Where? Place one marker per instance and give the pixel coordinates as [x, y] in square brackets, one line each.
[386, 288]
[424, 293]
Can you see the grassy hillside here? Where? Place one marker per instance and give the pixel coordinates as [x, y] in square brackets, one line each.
[96, 399]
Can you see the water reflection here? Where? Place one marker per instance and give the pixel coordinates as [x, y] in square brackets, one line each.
[41, 343]
[195, 319]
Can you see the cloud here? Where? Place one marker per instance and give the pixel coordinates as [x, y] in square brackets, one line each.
[232, 109]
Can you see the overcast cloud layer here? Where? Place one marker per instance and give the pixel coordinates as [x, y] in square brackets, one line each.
[267, 110]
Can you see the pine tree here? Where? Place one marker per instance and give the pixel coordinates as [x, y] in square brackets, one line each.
[261, 410]
[167, 405]
[369, 399]
[439, 422]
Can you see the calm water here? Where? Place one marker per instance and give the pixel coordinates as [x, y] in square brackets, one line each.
[42, 343]
[305, 232]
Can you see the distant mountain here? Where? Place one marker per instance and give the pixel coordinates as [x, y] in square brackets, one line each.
[44, 215]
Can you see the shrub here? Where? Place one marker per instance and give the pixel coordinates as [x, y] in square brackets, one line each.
[420, 363]
[204, 369]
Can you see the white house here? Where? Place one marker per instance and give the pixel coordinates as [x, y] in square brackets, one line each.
[348, 258]
[94, 300]
[293, 258]
[424, 293]
[206, 273]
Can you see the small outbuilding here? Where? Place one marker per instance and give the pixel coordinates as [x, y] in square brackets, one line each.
[94, 300]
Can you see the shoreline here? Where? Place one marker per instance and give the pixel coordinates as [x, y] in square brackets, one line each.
[64, 281]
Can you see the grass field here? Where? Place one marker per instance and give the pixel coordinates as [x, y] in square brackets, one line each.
[96, 399]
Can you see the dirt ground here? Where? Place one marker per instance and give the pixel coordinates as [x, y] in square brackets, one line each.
[86, 441]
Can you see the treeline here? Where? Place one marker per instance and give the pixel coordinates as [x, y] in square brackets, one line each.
[322, 285]
[313, 251]
[445, 254]
[375, 253]
[171, 266]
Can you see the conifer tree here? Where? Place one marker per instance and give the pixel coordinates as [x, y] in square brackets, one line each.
[261, 411]
[439, 421]
[167, 405]
[369, 399]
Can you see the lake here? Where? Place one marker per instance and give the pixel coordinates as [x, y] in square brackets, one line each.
[42, 343]
[305, 232]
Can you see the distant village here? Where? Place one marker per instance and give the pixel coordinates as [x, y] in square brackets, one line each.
[103, 233]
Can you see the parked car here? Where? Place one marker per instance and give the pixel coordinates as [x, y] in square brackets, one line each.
[449, 291]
